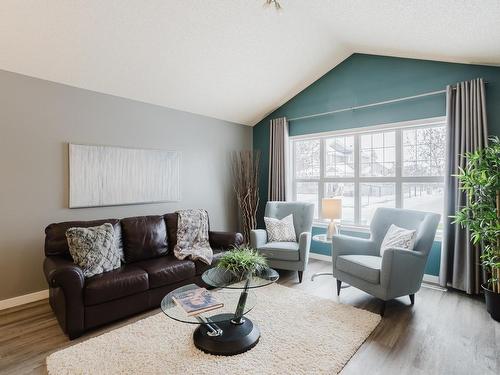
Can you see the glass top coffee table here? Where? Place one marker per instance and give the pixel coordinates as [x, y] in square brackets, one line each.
[226, 330]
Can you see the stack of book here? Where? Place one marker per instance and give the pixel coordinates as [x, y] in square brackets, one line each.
[196, 301]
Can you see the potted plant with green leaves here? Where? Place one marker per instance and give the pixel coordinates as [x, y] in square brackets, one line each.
[480, 180]
[242, 262]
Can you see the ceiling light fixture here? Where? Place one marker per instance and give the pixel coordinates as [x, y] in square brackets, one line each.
[276, 3]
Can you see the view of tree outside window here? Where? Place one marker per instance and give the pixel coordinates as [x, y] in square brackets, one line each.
[378, 154]
[339, 157]
[393, 167]
[307, 159]
[424, 152]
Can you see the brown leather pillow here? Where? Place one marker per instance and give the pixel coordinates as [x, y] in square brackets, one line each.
[144, 237]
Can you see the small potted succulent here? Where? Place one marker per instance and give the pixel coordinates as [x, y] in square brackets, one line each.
[242, 262]
[480, 180]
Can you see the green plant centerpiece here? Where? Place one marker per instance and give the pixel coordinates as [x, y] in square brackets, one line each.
[480, 180]
[242, 262]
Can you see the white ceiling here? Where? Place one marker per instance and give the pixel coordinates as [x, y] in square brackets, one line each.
[235, 60]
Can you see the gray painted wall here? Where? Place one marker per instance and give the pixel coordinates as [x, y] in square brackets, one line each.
[37, 120]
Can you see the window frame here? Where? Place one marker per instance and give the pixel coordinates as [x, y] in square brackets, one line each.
[398, 179]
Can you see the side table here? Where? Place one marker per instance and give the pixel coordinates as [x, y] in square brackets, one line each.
[322, 238]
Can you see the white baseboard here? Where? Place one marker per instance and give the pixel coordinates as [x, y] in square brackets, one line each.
[431, 279]
[326, 258]
[21, 300]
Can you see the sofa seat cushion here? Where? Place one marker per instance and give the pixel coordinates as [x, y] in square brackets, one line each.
[365, 267]
[280, 250]
[167, 270]
[119, 283]
[202, 266]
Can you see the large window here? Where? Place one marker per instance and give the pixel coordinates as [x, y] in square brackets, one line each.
[394, 166]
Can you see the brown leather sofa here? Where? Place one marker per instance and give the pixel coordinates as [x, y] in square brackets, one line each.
[149, 271]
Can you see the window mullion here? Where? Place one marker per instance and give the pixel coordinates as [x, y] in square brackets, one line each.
[399, 163]
[294, 175]
[357, 192]
[321, 184]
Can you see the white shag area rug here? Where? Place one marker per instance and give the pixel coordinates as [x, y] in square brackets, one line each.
[300, 334]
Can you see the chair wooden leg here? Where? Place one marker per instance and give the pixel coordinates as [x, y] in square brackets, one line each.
[412, 299]
[339, 286]
[382, 310]
[300, 276]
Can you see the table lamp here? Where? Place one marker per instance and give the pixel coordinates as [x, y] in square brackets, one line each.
[331, 208]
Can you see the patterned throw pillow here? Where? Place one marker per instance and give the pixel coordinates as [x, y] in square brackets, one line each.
[93, 249]
[280, 230]
[398, 237]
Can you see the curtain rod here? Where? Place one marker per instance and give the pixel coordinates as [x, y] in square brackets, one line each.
[370, 105]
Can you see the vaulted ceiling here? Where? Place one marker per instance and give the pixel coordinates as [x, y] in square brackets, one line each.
[235, 60]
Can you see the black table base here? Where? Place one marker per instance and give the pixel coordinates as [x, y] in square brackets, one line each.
[227, 337]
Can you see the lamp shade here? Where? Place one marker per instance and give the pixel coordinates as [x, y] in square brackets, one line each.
[331, 208]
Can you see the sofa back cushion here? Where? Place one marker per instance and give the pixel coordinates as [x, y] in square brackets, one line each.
[144, 237]
[55, 235]
[171, 221]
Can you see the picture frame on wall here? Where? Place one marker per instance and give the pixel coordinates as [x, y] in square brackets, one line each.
[113, 176]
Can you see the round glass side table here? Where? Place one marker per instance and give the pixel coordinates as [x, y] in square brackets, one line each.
[322, 238]
[224, 331]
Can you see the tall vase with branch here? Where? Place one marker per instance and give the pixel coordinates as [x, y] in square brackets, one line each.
[245, 168]
[480, 180]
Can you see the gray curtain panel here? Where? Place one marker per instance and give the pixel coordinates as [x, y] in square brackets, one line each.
[467, 131]
[278, 150]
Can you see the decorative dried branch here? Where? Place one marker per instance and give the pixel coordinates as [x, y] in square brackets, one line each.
[276, 3]
[245, 169]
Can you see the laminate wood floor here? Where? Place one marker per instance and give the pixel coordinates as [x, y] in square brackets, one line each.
[443, 333]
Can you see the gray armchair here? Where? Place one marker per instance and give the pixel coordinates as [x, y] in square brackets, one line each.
[399, 272]
[287, 255]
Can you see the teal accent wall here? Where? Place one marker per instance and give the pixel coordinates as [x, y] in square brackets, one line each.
[364, 79]
[320, 247]
[434, 260]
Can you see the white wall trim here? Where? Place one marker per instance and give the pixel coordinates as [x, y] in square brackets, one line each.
[431, 279]
[326, 258]
[22, 300]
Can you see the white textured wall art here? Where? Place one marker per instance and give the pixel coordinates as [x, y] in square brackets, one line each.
[109, 176]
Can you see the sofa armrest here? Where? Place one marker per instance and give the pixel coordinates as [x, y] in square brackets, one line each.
[349, 245]
[402, 270]
[61, 272]
[304, 247]
[225, 240]
[64, 274]
[258, 238]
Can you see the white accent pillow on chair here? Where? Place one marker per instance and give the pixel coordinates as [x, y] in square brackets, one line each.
[280, 230]
[398, 237]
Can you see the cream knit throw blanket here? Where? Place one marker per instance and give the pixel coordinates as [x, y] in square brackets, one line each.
[192, 236]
